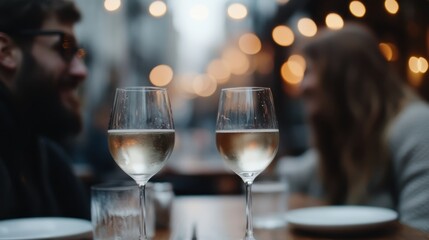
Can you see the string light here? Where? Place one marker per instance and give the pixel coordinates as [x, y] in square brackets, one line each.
[334, 21]
[204, 85]
[157, 8]
[292, 71]
[418, 64]
[219, 70]
[237, 61]
[391, 6]
[283, 35]
[112, 5]
[307, 27]
[249, 43]
[237, 11]
[357, 8]
[161, 75]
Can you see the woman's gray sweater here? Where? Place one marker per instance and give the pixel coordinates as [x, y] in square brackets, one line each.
[408, 189]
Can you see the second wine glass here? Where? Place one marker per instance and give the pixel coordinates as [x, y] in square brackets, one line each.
[247, 136]
[141, 136]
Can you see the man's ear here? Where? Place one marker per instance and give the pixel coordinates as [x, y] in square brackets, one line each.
[8, 55]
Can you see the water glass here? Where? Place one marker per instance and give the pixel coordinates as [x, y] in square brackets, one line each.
[269, 204]
[162, 197]
[115, 211]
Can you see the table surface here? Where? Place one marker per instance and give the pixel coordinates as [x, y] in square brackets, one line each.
[223, 218]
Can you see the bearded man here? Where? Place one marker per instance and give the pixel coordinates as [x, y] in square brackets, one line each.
[40, 72]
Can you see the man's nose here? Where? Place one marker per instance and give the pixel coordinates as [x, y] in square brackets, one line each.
[78, 69]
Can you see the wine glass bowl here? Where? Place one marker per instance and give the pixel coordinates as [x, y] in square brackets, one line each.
[141, 153]
[141, 135]
[247, 136]
[248, 152]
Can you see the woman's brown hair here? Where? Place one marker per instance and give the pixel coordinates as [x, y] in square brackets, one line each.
[363, 95]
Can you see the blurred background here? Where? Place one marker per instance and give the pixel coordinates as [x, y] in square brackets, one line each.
[194, 48]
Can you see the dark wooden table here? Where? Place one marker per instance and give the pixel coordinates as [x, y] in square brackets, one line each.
[223, 218]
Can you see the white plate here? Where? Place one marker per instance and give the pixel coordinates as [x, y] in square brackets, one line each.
[340, 218]
[44, 228]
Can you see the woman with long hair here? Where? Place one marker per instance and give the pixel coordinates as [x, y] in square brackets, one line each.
[369, 131]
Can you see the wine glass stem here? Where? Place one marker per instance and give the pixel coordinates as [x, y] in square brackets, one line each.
[143, 234]
[249, 222]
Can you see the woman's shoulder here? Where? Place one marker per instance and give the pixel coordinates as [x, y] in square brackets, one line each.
[409, 135]
[412, 120]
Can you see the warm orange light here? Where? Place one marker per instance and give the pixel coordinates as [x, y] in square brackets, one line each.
[157, 8]
[161, 75]
[357, 8]
[389, 51]
[307, 27]
[423, 65]
[334, 21]
[185, 83]
[283, 35]
[237, 11]
[237, 61]
[413, 64]
[296, 64]
[204, 85]
[288, 76]
[249, 43]
[112, 5]
[219, 70]
[391, 6]
[418, 64]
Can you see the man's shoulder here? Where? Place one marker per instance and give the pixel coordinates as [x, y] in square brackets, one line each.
[52, 151]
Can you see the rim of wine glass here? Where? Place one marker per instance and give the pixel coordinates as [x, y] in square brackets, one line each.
[245, 89]
[144, 88]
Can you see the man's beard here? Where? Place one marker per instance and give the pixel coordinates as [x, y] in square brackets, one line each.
[38, 96]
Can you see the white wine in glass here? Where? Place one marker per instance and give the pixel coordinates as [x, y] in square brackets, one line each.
[141, 136]
[247, 136]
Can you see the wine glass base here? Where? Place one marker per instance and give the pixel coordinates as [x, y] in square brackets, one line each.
[249, 238]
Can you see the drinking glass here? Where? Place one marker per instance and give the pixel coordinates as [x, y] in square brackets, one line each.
[141, 136]
[247, 136]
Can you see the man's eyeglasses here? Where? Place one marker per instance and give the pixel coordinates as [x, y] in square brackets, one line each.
[67, 46]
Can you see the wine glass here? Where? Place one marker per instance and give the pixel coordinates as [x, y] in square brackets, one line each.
[247, 136]
[141, 136]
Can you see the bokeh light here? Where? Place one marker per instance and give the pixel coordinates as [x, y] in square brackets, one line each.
[249, 43]
[389, 50]
[418, 64]
[204, 85]
[357, 8]
[307, 27]
[237, 11]
[334, 21]
[237, 61]
[292, 71]
[297, 65]
[157, 8]
[112, 5]
[161, 75]
[283, 35]
[391, 6]
[219, 70]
